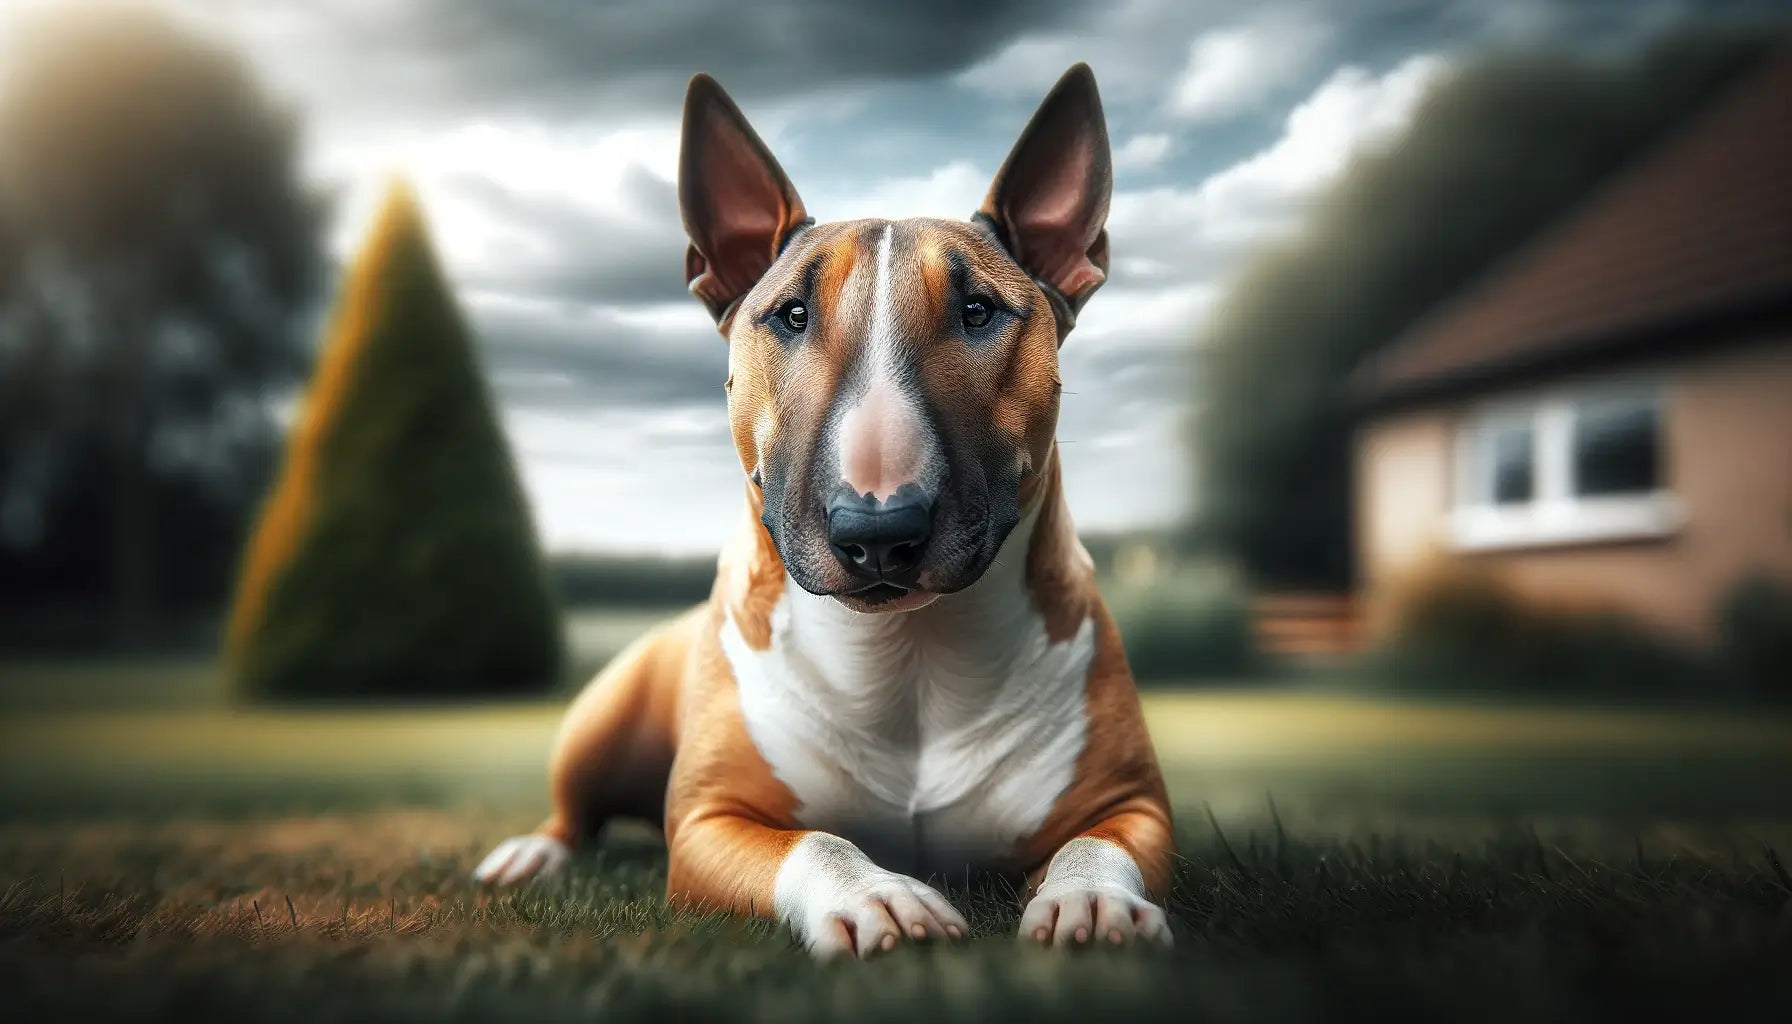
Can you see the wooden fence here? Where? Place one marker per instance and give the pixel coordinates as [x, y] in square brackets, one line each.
[1309, 627]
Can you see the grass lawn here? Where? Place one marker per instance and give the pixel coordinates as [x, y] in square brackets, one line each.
[1421, 862]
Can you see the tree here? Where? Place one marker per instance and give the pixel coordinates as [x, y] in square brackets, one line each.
[157, 258]
[395, 556]
[1495, 153]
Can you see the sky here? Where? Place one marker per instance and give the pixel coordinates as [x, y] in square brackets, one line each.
[543, 139]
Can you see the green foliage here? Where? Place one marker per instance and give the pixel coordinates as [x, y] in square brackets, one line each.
[1756, 622]
[158, 256]
[1466, 631]
[1496, 152]
[396, 557]
[1194, 625]
[1462, 630]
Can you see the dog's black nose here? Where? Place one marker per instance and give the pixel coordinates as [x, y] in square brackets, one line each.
[880, 542]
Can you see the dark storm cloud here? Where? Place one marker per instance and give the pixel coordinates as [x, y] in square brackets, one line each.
[760, 48]
[557, 57]
[599, 359]
[581, 254]
[1376, 30]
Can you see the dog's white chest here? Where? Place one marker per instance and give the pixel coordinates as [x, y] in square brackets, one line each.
[935, 739]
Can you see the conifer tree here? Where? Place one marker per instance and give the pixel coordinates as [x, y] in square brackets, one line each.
[395, 556]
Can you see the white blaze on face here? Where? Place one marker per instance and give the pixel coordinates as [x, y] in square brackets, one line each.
[881, 438]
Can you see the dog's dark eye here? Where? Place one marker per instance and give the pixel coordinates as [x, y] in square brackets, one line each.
[795, 315]
[977, 311]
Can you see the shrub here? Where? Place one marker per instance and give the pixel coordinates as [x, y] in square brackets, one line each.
[1196, 624]
[1755, 623]
[395, 556]
[1458, 628]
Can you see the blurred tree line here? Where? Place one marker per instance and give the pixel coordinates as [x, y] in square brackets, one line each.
[1496, 152]
[631, 581]
[159, 261]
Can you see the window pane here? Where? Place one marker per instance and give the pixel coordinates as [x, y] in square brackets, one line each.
[1617, 448]
[1509, 457]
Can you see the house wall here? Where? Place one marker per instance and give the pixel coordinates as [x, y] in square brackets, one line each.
[1403, 490]
[1728, 446]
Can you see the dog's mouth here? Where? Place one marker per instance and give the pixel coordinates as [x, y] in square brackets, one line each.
[879, 593]
[881, 597]
[964, 538]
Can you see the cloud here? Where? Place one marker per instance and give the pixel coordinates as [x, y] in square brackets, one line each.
[1351, 111]
[535, 217]
[572, 58]
[564, 246]
[1169, 234]
[1025, 67]
[1122, 426]
[591, 488]
[952, 190]
[1134, 46]
[603, 357]
[1141, 151]
[1235, 69]
[1134, 315]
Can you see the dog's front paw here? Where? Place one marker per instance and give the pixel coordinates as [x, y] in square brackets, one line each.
[875, 914]
[838, 901]
[1093, 891]
[1076, 914]
[521, 858]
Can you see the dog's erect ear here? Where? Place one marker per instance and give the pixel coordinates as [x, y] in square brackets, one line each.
[1049, 202]
[738, 205]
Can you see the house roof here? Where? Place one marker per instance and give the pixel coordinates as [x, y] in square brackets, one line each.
[1693, 240]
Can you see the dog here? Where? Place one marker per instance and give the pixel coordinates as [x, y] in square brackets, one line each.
[904, 670]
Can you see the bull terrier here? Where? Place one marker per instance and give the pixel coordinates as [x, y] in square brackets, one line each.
[904, 670]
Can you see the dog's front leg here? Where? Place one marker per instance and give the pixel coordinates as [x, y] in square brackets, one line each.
[1101, 885]
[823, 887]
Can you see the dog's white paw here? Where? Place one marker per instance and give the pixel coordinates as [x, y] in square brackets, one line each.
[1079, 914]
[876, 914]
[838, 901]
[521, 858]
[1093, 892]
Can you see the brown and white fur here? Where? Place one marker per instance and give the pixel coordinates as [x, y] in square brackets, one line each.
[905, 670]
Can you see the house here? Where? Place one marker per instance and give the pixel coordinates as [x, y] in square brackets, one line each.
[1607, 417]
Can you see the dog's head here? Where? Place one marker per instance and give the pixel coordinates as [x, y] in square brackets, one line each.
[893, 385]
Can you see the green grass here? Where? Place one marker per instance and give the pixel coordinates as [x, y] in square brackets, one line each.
[167, 920]
[1420, 862]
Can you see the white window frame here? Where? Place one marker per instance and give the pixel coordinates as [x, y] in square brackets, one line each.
[1555, 515]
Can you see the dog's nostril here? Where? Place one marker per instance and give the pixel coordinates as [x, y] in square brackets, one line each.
[855, 552]
[902, 557]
